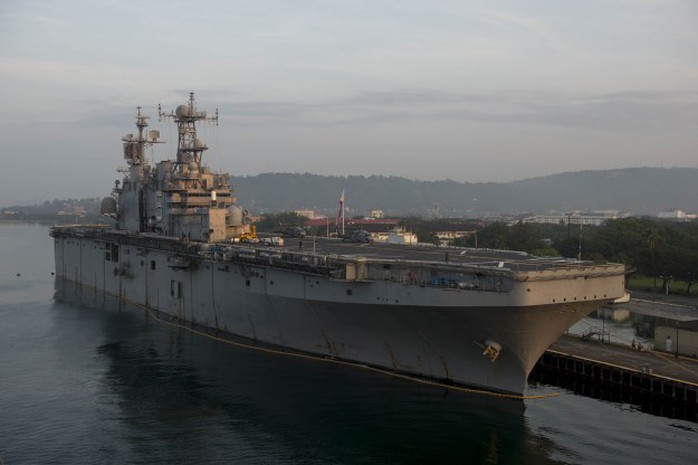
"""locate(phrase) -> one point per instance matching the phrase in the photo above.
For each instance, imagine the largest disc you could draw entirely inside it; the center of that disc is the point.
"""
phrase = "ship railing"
(482, 286)
(491, 279)
(334, 266)
(426, 278)
(278, 258)
(587, 271)
(425, 274)
(545, 264)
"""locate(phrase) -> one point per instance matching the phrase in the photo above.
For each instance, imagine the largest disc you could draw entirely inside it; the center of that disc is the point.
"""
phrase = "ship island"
(181, 246)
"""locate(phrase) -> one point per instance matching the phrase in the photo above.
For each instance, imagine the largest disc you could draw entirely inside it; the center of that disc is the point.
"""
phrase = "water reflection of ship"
(186, 398)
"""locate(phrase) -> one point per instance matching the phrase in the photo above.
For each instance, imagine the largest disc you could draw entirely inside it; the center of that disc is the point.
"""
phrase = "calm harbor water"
(85, 380)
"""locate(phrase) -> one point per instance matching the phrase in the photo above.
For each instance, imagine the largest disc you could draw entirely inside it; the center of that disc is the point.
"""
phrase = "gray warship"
(471, 317)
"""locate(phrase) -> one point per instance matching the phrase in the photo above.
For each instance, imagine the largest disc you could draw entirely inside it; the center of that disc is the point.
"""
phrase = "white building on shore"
(596, 218)
(678, 215)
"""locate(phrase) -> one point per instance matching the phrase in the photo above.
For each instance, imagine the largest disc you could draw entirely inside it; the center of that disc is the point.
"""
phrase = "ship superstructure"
(467, 316)
(175, 198)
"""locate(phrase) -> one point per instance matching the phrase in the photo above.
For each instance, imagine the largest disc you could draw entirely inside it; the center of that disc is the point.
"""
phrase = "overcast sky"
(427, 89)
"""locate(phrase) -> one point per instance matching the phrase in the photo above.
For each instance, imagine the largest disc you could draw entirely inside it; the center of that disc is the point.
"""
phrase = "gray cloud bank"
(620, 111)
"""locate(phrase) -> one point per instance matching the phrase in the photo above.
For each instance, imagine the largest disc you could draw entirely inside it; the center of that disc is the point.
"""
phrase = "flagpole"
(341, 211)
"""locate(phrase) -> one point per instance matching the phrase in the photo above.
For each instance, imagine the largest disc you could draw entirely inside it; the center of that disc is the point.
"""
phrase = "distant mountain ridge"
(636, 190)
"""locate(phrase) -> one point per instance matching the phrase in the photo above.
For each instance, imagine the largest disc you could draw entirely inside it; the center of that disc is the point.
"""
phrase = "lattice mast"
(189, 147)
(134, 147)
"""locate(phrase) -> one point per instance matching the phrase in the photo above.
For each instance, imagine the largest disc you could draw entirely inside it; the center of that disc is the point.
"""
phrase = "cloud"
(606, 112)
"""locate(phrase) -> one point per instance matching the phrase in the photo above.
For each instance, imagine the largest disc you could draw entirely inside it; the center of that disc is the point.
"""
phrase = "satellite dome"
(182, 110)
(108, 206)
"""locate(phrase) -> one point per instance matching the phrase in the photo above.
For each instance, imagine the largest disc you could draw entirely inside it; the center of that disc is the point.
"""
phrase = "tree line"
(662, 250)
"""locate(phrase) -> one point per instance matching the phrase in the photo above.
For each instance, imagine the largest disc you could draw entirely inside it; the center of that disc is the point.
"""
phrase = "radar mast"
(134, 146)
(189, 147)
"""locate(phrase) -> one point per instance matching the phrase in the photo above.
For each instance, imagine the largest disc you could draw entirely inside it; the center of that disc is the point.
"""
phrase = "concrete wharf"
(622, 373)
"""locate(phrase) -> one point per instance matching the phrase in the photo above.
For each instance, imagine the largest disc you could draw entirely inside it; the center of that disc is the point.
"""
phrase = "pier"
(659, 381)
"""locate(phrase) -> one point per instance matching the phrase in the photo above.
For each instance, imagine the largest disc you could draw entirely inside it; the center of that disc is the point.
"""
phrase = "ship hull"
(434, 333)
